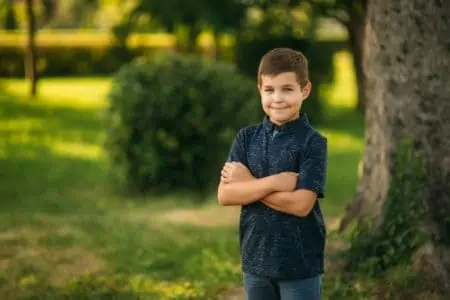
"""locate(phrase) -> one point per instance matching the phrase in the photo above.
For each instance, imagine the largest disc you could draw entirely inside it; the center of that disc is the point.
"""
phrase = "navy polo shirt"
(275, 244)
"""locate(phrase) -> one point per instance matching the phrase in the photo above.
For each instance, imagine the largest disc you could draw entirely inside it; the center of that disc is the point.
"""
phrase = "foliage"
(172, 119)
(94, 53)
(7, 13)
(399, 282)
(340, 10)
(81, 53)
(59, 60)
(221, 16)
(58, 14)
(186, 23)
(377, 247)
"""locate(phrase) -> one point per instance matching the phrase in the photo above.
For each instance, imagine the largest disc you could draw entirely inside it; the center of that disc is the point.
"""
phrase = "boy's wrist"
(274, 182)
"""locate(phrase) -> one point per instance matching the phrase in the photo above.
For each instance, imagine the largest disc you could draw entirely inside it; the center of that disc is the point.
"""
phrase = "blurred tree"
(69, 13)
(408, 62)
(30, 57)
(220, 16)
(190, 18)
(351, 14)
(50, 8)
(10, 22)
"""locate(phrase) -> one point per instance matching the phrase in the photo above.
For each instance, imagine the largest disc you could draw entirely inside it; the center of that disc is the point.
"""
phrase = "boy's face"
(282, 96)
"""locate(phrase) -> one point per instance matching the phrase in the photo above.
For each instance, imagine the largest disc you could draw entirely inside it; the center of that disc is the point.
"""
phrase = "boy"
(276, 171)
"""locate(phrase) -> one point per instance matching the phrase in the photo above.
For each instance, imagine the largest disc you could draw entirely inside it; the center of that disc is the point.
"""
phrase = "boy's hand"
(234, 172)
(286, 181)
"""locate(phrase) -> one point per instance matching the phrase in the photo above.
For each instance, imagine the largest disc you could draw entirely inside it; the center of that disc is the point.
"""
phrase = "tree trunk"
(355, 27)
(30, 56)
(407, 64)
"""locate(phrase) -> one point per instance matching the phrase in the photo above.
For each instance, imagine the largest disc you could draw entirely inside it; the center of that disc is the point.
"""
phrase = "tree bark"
(30, 55)
(407, 65)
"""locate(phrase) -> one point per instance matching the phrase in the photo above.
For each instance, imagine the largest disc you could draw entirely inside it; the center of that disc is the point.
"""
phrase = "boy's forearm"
(280, 201)
(298, 203)
(245, 192)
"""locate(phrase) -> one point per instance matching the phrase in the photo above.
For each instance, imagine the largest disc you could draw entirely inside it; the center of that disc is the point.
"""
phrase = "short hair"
(280, 60)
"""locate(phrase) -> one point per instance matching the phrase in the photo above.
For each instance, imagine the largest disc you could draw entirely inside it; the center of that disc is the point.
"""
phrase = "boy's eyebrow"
(291, 85)
(284, 85)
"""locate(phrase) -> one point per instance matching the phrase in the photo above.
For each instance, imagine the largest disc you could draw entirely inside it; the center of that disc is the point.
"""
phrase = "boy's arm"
(298, 203)
(245, 192)
(239, 187)
(311, 184)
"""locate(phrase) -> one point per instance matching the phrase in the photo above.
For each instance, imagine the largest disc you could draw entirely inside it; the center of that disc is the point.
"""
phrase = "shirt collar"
(297, 124)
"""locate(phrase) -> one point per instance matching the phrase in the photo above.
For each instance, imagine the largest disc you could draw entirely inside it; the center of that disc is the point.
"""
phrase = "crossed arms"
(239, 187)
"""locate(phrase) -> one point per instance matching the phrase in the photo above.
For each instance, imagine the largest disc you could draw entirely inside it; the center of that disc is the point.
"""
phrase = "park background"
(77, 222)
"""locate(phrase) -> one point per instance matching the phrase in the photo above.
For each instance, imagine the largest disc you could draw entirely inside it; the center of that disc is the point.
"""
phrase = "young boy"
(276, 170)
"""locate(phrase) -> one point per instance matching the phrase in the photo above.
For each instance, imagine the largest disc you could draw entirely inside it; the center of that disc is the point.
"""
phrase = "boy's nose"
(277, 97)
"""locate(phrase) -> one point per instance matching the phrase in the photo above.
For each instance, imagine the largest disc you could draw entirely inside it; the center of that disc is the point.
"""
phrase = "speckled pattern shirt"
(275, 244)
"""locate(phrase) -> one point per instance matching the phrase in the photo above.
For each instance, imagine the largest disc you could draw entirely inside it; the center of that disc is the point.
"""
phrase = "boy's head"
(283, 84)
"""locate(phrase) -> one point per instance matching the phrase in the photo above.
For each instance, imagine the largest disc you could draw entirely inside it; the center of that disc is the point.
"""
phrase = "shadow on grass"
(341, 182)
(82, 124)
(49, 155)
(47, 182)
(346, 120)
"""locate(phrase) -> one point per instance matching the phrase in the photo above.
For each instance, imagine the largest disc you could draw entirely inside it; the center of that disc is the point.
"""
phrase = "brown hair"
(280, 60)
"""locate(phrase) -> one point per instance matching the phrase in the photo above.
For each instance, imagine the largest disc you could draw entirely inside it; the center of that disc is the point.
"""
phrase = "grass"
(65, 232)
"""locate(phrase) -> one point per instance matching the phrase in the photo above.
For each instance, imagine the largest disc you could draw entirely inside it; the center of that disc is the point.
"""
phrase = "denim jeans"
(261, 288)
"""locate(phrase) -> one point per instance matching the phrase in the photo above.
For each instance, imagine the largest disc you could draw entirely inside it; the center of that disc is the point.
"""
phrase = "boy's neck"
(284, 123)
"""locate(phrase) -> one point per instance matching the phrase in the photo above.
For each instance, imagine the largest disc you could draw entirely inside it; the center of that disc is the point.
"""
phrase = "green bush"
(172, 119)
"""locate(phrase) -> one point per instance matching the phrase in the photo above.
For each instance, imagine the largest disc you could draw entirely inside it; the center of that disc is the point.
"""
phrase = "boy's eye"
(287, 89)
(268, 90)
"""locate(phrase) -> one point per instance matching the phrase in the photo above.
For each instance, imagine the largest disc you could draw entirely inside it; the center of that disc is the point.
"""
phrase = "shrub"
(172, 119)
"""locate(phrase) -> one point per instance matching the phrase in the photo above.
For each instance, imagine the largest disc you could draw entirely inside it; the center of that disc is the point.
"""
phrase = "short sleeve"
(237, 149)
(312, 171)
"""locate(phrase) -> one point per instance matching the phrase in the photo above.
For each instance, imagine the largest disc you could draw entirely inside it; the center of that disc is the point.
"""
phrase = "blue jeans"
(261, 288)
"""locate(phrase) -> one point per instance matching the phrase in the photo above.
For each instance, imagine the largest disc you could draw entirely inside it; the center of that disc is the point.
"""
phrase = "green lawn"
(65, 232)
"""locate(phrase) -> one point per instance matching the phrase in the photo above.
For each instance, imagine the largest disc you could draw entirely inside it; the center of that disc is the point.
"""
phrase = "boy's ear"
(307, 90)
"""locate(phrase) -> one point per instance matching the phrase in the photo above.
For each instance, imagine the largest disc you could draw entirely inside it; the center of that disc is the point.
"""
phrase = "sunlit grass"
(342, 142)
(53, 176)
(70, 92)
(22, 124)
(77, 149)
